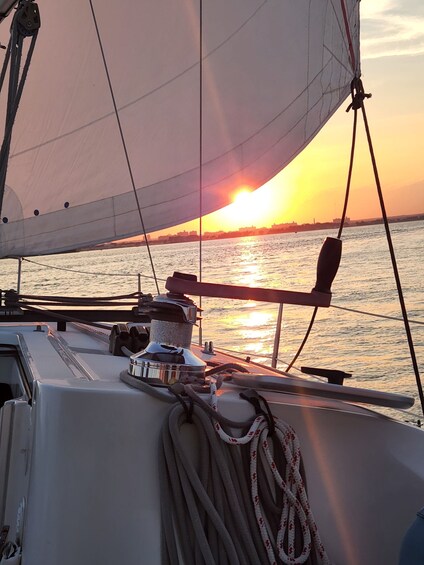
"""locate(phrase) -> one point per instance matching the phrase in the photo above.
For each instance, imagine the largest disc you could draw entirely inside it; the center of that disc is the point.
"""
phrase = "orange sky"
(312, 186)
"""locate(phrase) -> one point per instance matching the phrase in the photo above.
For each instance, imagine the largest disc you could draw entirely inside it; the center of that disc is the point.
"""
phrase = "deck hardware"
(208, 348)
(167, 359)
(333, 376)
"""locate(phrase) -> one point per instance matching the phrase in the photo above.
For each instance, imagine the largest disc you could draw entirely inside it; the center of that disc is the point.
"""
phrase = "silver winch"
(168, 359)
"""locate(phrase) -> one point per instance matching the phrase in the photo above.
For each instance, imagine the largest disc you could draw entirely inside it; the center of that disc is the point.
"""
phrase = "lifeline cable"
(394, 318)
(87, 272)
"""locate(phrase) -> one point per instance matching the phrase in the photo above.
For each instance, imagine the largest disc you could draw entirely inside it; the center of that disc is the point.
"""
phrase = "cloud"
(392, 28)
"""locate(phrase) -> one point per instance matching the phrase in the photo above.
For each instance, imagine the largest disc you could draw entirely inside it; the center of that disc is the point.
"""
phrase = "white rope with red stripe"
(295, 502)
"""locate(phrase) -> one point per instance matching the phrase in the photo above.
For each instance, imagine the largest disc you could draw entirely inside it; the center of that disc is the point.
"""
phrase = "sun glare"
(243, 200)
(249, 208)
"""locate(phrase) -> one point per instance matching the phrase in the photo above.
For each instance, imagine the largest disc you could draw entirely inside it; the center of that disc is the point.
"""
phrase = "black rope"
(226, 367)
(13, 59)
(351, 161)
(98, 304)
(255, 399)
(5, 66)
(188, 409)
(67, 318)
(73, 299)
(362, 96)
(305, 339)
(124, 145)
(13, 299)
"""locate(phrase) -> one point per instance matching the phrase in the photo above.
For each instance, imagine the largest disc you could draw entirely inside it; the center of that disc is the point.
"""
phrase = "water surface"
(374, 350)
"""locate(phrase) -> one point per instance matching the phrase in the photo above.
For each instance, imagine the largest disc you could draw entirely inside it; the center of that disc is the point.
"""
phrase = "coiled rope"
(243, 500)
(294, 502)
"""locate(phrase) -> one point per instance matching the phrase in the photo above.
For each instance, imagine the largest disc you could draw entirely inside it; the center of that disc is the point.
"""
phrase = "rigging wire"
(352, 154)
(200, 159)
(358, 97)
(362, 95)
(124, 145)
(342, 222)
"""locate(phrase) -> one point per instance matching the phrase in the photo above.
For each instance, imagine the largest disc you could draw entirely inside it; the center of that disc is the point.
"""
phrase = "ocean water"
(374, 350)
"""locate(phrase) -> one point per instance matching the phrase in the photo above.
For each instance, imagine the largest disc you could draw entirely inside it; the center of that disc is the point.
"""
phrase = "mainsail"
(242, 94)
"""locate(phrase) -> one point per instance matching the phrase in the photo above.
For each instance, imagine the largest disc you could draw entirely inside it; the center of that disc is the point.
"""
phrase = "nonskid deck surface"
(94, 453)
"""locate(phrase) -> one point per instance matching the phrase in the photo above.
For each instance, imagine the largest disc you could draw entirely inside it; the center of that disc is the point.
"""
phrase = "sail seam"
(186, 195)
(142, 97)
(35, 147)
(345, 67)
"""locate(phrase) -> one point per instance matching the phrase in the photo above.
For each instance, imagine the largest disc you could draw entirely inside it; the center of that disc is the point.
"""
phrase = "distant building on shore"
(338, 220)
(190, 236)
(284, 225)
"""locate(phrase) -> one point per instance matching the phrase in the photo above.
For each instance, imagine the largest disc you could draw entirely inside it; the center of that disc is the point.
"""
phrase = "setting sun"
(243, 200)
(249, 208)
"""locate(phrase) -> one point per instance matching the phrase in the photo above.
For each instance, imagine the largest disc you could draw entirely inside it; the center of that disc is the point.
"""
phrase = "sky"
(312, 187)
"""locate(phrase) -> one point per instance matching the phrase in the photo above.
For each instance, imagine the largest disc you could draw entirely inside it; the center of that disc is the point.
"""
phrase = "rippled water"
(373, 349)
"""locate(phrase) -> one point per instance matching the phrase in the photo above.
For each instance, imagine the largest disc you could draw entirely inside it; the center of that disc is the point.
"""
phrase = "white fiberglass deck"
(89, 469)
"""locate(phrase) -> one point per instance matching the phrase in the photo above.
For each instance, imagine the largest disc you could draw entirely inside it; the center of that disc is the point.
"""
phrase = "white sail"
(267, 83)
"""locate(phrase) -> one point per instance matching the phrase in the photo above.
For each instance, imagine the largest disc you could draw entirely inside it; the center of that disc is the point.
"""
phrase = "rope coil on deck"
(295, 502)
(233, 500)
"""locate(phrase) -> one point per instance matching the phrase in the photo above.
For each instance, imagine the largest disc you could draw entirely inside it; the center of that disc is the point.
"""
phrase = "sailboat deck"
(87, 423)
(80, 355)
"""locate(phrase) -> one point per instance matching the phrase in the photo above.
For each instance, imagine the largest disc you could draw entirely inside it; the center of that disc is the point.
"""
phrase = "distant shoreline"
(253, 231)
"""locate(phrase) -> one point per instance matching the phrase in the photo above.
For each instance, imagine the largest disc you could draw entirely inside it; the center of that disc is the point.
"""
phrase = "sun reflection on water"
(255, 319)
